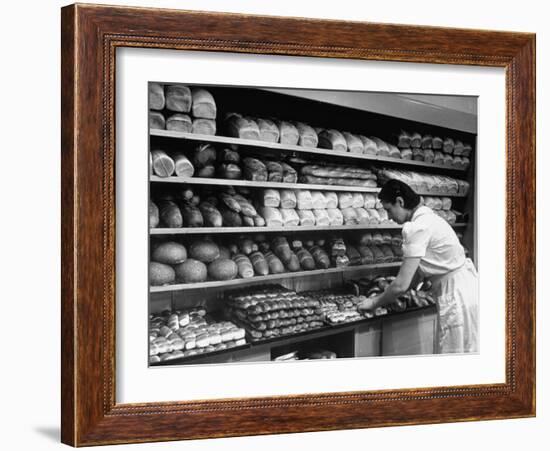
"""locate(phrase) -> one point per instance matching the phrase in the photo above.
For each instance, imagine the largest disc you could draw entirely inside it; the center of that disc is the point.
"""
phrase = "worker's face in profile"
(396, 211)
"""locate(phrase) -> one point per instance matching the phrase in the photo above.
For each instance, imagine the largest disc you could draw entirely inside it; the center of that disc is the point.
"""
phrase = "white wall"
(30, 223)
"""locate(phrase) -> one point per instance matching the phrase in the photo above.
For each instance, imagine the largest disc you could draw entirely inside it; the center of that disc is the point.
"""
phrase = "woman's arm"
(395, 289)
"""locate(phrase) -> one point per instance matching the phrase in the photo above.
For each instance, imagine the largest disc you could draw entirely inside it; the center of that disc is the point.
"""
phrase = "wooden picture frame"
(90, 37)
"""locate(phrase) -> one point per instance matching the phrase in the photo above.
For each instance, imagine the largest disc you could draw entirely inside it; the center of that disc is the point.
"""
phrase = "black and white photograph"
(293, 224)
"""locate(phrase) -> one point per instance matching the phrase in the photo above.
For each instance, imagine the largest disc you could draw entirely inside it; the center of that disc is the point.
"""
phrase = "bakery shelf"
(297, 149)
(252, 184)
(268, 278)
(276, 185)
(218, 230)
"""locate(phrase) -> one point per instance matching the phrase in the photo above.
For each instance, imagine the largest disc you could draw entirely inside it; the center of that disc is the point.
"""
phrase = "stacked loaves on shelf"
(426, 183)
(178, 334)
(182, 108)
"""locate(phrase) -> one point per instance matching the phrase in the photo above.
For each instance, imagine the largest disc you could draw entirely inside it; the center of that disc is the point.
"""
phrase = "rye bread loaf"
(156, 96)
(191, 271)
(191, 215)
(204, 155)
(223, 269)
(204, 105)
(211, 215)
(170, 214)
(169, 253)
(178, 98)
(204, 250)
(161, 274)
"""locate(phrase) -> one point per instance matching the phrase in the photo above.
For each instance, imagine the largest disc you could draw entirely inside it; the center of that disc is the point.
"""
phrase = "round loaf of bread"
(191, 271)
(205, 251)
(170, 253)
(222, 269)
(161, 274)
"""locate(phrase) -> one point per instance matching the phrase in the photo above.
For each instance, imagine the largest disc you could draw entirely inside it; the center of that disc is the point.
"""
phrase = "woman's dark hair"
(393, 189)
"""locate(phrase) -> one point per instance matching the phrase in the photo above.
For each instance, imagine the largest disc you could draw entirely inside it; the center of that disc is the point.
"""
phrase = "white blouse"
(431, 238)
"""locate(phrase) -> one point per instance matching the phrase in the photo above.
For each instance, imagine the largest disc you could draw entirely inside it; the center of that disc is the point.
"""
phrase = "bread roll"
(290, 217)
(332, 139)
(180, 123)
(271, 198)
(448, 146)
(204, 105)
(288, 199)
(269, 131)
(383, 149)
(307, 135)
(248, 221)
(206, 172)
(331, 199)
(178, 98)
(242, 127)
(170, 215)
(258, 221)
(354, 143)
(204, 126)
(416, 140)
(153, 215)
(321, 217)
(204, 250)
(304, 200)
(156, 96)
(272, 216)
(369, 146)
(307, 218)
(363, 216)
(406, 154)
(437, 143)
(357, 200)
(318, 200)
(345, 200)
(182, 166)
(156, 120)
(335, 217)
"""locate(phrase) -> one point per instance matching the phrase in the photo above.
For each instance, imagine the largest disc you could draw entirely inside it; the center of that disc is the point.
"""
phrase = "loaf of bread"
(307, 218)
(229, 156)
(446, 203)
(369, 200)
(191, 215)
(318, 200)
(204, 250)
(354, 143)
(178, 98)
(437, 143)
(416, 140)
(353, 255)
(244, 266)
(223, 269)
(388, 253)
(321, 217)
(369, 146)
(466, 150)
(363, 216)
(274, 171)
(382, 146)
(458, 148)
(447, 159)
(331, 199)
(230, 218)
(418, 154)
(281, 248)
(229, 171)
(204, 155)
(288, 133)
(247, 209)
(242, 127)
(169, 253)
(269, 131)
(357, 200)
(271, 198)
(374, 216)
(465, 162)
(230, 202)
(322, 260)
(156, 96)
(274, 263)
(438, 157)
(204, 126)
(406, 154)
(179, 122)
(426, 142)
(211, 215)
(304, 200)
(258, 221)
(289, 173)
(403, 140)
(377, 238)
(335, 217)
(307, 135)
(306, 260)
(290, 217)
(350, 216)
(261, 268)
(383, 215)
(191, 271)
(156, 120)
(310, 179)
(457, 162)
(429, 155)
(153, 215)
(206, 172)
(332, 139)
(288, 199)
(161, 274)
(448, 145)
(182, 166)
(345, 200)
(338, 171)
(170, 214)
(272, 216)
(204, 105)
(254, 169)
(367, 256)
(379, 256)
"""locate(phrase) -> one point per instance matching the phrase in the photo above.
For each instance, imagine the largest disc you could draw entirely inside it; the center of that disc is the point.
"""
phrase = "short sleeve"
(415, 240)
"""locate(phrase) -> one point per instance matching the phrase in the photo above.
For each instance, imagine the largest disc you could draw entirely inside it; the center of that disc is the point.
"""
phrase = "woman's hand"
(369, 304)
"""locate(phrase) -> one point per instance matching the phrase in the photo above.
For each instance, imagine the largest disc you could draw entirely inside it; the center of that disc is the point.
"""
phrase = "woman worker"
(431, 247)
